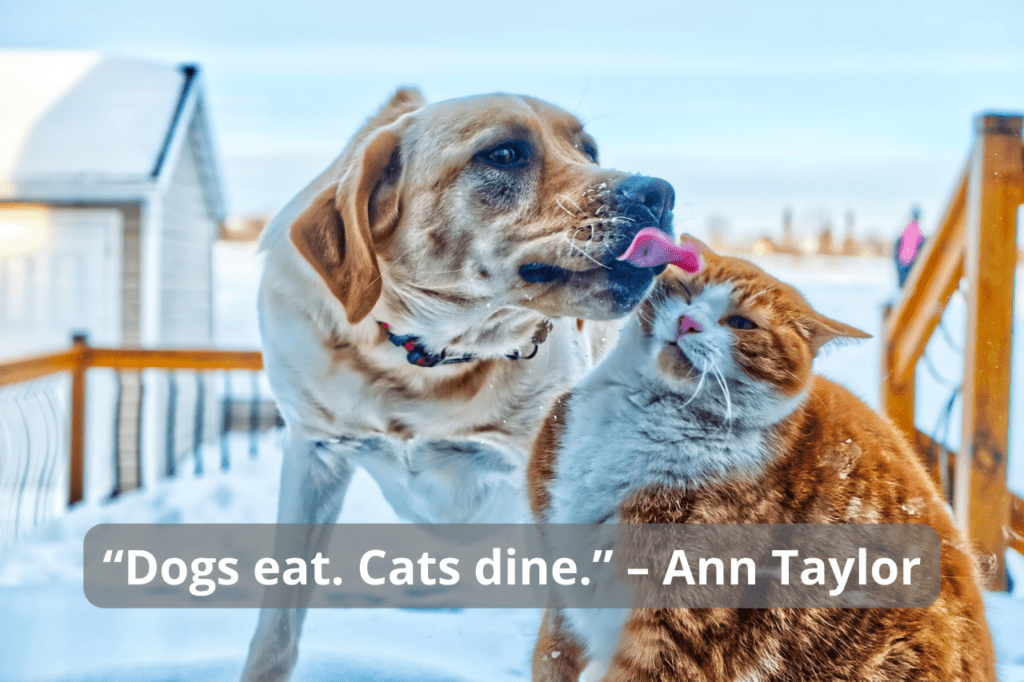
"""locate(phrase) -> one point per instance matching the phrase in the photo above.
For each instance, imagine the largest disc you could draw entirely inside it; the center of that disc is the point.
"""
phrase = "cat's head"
(733, 340)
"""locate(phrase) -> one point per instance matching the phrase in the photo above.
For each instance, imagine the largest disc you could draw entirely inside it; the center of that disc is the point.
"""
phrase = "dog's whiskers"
(559, 198)
(573, 245)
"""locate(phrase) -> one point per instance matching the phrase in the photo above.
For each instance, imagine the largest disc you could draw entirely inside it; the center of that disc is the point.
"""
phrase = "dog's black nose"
(646, 200)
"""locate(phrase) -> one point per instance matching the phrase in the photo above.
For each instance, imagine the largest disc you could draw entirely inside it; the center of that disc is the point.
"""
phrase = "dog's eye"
(513, 154)
(590, 150)
(739, 322)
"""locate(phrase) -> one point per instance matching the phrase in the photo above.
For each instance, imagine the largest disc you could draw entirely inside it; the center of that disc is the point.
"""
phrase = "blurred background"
(143, 146)
(749, 109)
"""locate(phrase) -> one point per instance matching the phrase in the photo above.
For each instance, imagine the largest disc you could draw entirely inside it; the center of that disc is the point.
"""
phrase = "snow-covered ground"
(49, 632)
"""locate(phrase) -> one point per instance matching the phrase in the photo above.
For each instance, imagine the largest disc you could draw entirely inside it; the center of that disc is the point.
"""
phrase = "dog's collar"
(418, 354)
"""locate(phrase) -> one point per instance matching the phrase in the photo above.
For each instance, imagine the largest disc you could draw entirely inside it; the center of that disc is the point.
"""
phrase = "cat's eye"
(740, 322)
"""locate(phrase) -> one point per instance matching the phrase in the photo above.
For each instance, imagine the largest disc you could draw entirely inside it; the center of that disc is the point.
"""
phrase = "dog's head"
(494, 201)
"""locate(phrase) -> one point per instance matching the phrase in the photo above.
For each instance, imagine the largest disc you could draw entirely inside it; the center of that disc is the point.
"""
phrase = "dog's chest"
(456, 455)
(429, 480)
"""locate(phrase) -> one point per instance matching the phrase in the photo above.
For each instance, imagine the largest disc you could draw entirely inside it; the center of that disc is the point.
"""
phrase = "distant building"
(850, 245)
(826, 245)
(765, 245)
(789, 244)
(876, 247)
(110, 201)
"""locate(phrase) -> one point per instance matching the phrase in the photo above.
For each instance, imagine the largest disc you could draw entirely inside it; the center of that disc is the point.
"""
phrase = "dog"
(424, 301)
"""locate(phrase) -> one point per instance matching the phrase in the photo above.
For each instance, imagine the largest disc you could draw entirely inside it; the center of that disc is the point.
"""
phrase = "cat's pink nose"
(687, 325)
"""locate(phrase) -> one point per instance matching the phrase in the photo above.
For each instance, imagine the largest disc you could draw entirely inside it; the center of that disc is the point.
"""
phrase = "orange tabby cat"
(707, 412)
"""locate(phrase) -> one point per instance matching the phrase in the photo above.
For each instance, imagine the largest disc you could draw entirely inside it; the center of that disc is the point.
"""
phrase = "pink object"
(687, 325)
(910, 240)
(653, 247)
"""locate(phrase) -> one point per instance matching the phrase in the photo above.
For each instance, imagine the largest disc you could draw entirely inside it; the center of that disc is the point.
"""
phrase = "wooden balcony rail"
(82, 357)
(976, 241)
(935, 454)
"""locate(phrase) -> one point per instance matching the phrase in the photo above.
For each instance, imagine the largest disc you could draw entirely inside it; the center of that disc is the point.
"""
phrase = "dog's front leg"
(313, 484)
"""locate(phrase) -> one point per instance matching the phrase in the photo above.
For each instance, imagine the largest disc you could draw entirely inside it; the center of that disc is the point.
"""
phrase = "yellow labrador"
(423, 303)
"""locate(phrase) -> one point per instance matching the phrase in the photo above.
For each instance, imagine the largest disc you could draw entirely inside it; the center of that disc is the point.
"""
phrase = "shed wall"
(186, 305)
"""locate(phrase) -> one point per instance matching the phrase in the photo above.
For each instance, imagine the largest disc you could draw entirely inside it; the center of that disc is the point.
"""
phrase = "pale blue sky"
(746, 108)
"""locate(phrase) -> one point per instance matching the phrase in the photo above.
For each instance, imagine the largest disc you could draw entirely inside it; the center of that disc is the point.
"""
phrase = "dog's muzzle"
(646, 202)
(641, 201)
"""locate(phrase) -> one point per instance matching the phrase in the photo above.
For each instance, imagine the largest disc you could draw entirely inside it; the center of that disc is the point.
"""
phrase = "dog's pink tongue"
(653, 247)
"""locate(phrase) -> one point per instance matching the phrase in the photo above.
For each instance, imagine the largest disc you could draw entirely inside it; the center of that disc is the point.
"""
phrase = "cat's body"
(650, 437)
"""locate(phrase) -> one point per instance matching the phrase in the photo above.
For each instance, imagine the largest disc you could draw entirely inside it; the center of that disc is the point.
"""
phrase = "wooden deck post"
(897, 398)
(76, 464)
(981, 501)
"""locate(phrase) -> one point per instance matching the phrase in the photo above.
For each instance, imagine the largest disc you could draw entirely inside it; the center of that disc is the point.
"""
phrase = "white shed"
(110, 202)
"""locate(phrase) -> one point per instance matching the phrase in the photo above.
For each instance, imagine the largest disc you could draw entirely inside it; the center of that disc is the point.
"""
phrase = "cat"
(707, 411)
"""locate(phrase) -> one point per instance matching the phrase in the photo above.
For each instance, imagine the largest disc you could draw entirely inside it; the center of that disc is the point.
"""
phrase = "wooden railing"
(976, 241)
(82, 357)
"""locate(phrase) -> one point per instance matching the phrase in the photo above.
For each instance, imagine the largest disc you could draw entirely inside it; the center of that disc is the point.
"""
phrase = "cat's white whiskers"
(751, 299)
(641, 315)
(725, 390)
(700, 384)
(803, 384)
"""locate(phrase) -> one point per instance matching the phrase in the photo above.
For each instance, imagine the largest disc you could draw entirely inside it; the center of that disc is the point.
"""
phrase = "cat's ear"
(687, 238)
(822, 329)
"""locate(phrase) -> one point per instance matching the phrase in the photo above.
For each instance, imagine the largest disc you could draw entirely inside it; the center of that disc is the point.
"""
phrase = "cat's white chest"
(621, 438)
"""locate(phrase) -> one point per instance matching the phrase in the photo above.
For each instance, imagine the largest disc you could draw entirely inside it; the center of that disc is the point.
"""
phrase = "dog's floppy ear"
(402, 102)
(334, 233)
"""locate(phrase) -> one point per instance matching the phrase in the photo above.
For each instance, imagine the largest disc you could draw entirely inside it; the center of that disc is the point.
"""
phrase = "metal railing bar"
(200, 409)
(254, 416)
(47, 457)
(24, 472)
(172, 408)
(56, 458)
(225, 425)
(6, 439)
(118, 394)
(140, 411)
